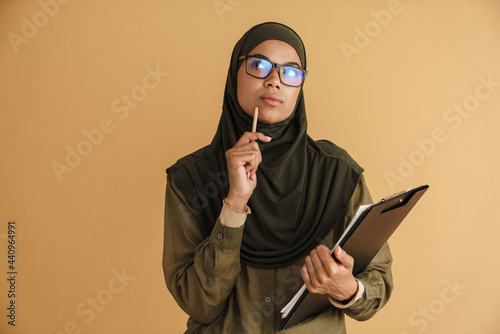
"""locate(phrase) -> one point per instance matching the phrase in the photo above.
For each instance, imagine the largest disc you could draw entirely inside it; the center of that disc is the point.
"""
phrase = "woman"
(244, 215)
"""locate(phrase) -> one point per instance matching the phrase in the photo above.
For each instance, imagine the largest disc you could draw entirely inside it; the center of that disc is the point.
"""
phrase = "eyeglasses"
(261, 68)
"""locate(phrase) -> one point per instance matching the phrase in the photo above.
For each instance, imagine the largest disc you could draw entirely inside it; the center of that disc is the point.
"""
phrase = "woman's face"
(275, 100)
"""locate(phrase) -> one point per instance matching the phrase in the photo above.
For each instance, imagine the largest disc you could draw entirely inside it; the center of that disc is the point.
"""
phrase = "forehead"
(277, 51)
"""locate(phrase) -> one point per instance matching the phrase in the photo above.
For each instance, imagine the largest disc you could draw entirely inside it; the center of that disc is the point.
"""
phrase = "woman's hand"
(323, 275)
(242, 162)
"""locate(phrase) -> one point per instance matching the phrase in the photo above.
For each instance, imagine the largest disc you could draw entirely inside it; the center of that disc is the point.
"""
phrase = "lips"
(271, 99)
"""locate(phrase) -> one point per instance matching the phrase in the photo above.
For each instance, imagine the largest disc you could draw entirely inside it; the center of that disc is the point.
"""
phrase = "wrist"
(359, 294)
(236, 202)
(351, 291)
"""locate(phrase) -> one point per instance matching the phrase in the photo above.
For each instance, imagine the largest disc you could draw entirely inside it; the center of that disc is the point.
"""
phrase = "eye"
(257, 65)
(292, 72)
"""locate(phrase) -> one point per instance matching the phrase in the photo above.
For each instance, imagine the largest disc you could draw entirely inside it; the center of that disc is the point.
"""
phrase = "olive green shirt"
(222, 295)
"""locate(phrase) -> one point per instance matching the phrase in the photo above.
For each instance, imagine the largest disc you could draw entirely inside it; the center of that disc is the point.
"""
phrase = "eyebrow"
(290, 63)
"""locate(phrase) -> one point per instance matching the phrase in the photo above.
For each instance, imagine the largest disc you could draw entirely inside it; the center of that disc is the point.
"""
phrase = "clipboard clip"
(395, 195)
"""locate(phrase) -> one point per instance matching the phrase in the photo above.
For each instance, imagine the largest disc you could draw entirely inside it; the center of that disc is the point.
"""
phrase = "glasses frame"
(278, 66)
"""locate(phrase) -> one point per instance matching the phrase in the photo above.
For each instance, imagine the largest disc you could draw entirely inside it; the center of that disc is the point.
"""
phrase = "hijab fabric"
(303, 186)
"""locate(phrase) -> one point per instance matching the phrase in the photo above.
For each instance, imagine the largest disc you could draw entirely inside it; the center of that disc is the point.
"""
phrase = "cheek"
(240, 88)
(244, 89)
(292, 99)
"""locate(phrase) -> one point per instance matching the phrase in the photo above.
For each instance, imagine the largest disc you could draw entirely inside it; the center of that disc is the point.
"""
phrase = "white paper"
(288, 307)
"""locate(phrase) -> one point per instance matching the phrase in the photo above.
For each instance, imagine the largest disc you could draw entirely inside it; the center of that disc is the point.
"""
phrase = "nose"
(273, 80)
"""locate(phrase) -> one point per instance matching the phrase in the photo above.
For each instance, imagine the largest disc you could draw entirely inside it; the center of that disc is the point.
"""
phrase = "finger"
(242, 157)
(253, 161)
(251, 145)
(253, 170)
(345, 259)
(325, 256)
(305, 276)
(310, 267)
(248, 148)
(316, 261)
(309, 275)
(319, 270)
(246, 143)
(330, 267)
(248, 161)
(251, 136)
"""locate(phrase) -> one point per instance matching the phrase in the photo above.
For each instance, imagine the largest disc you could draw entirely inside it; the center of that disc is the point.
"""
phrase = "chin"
(271, 121)
(266, 116)
(274, 116)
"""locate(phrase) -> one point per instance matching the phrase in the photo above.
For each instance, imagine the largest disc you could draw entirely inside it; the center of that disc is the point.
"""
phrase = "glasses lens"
(258, 67)
(292, 76)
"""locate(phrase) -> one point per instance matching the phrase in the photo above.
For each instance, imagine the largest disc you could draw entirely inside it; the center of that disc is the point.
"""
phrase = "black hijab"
(303, 186)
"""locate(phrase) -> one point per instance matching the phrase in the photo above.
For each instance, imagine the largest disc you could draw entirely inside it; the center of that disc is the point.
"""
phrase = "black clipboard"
(364, 237)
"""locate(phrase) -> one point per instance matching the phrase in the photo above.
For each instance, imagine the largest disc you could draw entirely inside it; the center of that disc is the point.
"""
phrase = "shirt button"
(220, 236)
(268, 299)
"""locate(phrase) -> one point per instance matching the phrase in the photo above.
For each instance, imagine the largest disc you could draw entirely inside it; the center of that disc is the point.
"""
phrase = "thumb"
(343, 257)
(338, 253)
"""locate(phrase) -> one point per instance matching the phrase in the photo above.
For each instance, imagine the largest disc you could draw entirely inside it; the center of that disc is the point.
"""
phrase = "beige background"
(392, 100)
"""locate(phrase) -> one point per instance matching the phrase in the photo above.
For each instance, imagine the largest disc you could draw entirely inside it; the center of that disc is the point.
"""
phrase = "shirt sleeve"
(359, 293)
(377, 277)
(231, 217)
(200, 270)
